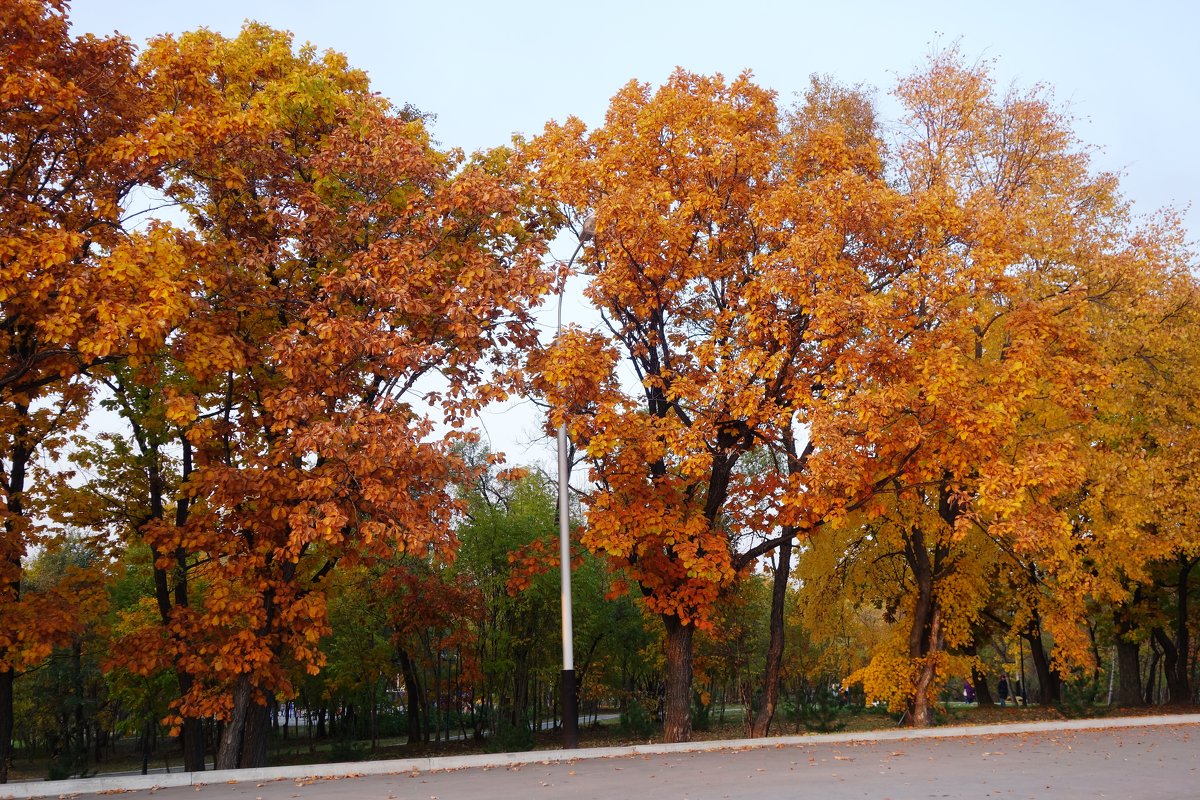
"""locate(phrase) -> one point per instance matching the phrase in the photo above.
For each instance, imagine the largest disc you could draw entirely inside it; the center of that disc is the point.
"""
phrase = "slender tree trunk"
(1151, 677)
(413, 696)
(6, 721)
(677, 716)
(920, 712)
(14, 546)
(983, 693)
(191, 732)
(1177, 649)
(1174, 667)
(924, 634)
(761, 725)
(1049, 681)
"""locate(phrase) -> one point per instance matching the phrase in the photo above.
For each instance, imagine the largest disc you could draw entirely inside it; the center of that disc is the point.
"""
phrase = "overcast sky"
(1129, 71)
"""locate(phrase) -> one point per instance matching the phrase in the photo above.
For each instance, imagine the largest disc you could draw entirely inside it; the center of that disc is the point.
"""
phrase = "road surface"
(1162, 763)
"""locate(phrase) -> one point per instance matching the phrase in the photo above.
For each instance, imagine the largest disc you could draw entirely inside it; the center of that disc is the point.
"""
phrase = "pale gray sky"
(1129, 71)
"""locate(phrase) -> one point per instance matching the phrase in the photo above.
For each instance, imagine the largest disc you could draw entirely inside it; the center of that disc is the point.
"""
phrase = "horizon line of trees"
(935, 377)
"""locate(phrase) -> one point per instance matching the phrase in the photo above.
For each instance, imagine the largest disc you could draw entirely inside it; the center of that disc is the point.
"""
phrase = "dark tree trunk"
(230, 751)
(1176, 649)
(1151, 685)
(10, 592)
(1049, 681)
(6, 721)
(920, 712)
(924, 633)
(413, 696)
(191, 732)
(147, 733)
(761, 724)
(983, 692)
(1129, 657)
(256, 735)
(1129, 673)
(1174, 667)
(677, 715)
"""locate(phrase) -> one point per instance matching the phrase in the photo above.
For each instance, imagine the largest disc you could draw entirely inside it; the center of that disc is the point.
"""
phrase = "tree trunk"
(14, 545)
(1174, 667)
(6, 721)
(920, 712)
(1049, 681)
(924, 634)
(1151, 684)
(761, 725)
(256, 735)
(677, 715)
(1128, 662)
(230, 751)
(191, 732)
(1176, 651)
(983, 692)
(412, 696)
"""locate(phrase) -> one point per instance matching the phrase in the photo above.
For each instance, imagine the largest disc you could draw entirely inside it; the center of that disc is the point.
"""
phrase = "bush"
(701, 713)
(510, 738)
(819, 710)
(636, 720)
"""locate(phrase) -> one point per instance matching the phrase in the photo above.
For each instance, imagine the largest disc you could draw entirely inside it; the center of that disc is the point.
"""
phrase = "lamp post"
(570, 704)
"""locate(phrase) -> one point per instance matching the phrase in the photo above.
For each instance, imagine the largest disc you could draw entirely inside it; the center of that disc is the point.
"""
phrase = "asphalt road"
(1130, 763)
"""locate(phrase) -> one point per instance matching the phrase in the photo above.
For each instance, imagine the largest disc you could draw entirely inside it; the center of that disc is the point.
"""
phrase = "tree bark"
(1128, 662)
(413, 696)
(924, 633)
(1176, 648)
(1174, 672)
(761, 725)
(920, 712)
(677, 715)
(6, 721)
(1049, 681)
(1129, 673)
(14, 540)
(256, 734)
(983, 691)
(230, 751)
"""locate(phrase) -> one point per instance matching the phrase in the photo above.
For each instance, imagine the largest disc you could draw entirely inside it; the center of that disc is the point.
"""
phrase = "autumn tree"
(729, 262)
(77, 287)
(1133, 545)
(1013, 250)
(345, 261)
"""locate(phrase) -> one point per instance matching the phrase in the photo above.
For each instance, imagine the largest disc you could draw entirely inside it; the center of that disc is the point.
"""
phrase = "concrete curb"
(125, 783)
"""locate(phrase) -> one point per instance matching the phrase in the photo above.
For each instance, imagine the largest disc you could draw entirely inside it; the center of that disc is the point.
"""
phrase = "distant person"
(968, 692)
(1002, 690)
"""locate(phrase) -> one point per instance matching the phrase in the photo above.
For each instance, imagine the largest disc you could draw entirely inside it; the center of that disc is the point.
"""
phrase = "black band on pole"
(570, 717)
